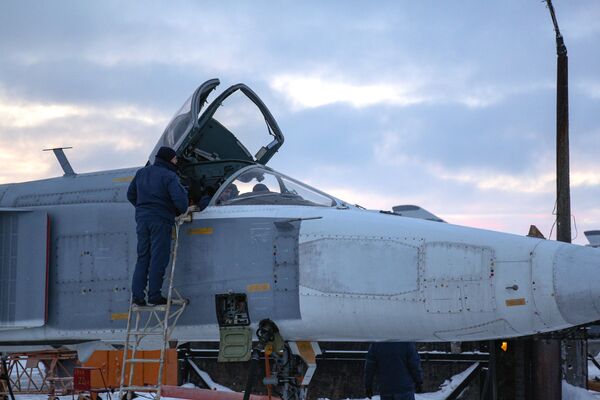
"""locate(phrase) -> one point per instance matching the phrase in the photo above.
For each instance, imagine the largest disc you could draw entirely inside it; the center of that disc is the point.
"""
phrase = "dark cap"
(166, 154)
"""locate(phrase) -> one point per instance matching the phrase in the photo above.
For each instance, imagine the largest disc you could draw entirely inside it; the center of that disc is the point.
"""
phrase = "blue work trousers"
(153, 251)
(399, 396)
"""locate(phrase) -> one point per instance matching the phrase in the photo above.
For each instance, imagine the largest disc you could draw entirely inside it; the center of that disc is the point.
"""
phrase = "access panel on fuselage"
(91, 277)
(256, 256)
(23, 268)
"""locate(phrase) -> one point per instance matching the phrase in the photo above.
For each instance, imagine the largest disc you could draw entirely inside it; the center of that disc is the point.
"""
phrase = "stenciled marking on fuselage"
(123, 179)
(258, 287)
(516, 302)
(119, 316)
(200, 231)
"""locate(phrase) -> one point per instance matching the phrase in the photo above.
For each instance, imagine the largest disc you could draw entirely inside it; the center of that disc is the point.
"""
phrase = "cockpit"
(223, 147)
(257, 185)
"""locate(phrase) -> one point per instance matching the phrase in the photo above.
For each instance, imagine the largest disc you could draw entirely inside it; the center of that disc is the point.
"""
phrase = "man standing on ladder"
(158, 198)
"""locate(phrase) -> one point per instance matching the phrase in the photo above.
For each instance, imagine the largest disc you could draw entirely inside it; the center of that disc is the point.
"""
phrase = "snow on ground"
(576, 393)
(569, 392)
(445, 388)
(448, 386)
(210, 382)
(593, 371)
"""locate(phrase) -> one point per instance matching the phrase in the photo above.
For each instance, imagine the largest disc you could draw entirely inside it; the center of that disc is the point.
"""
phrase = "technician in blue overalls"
(158, 198)
(398, 369)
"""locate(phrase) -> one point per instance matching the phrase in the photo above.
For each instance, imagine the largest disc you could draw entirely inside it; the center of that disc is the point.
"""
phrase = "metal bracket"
(308, 351)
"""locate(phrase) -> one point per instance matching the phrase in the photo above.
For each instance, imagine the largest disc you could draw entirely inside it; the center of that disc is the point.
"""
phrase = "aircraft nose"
(577, 283)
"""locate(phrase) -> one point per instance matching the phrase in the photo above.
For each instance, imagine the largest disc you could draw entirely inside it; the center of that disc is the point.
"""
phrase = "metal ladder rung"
(142, 360)
(142, 333)
(161, 307)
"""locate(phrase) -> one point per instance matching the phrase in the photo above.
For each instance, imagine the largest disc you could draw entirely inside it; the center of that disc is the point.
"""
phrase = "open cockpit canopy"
(185, 118)
(212, 141)
(236, 125)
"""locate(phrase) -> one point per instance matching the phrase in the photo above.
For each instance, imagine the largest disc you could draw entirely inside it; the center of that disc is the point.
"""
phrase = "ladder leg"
(166, 332)
(133, 352)
(123, 364)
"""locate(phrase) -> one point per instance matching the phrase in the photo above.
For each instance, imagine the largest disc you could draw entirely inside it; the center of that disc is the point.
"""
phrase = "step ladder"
(151, 324)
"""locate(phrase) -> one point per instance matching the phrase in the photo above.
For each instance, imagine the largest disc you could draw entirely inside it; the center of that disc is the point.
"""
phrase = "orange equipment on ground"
(109, 364)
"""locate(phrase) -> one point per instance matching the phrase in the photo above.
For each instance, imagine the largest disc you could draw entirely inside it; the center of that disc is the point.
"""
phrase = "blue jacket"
(397, 366)
(156, 193)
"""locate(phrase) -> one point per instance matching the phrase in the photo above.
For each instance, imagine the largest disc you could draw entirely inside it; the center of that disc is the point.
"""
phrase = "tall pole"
(574, 350)
(563, 188)
(547, 352)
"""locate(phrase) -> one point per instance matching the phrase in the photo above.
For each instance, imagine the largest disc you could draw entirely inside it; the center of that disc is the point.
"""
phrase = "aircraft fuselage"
(321, 273)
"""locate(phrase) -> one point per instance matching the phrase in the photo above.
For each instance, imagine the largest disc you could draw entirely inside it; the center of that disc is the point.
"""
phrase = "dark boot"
(158, 301)
(139, 302)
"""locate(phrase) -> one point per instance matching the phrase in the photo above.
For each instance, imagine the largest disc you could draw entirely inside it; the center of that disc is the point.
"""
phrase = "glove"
(181, 218)
(369, 392)
(187, 215)
(192, 209)
(419, 388)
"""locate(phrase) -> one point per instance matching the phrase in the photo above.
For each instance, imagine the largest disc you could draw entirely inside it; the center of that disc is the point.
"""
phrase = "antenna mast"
(62, 160)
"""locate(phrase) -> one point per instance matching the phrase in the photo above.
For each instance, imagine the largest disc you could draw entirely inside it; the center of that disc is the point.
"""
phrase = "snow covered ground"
(447, 387)
(568, 392)
(593, 371)
(576, 393)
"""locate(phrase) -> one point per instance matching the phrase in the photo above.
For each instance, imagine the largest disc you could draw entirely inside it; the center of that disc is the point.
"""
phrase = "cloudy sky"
(446, 104)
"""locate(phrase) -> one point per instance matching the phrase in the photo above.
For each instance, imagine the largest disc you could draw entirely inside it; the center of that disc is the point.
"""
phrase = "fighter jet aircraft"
(320, 268)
